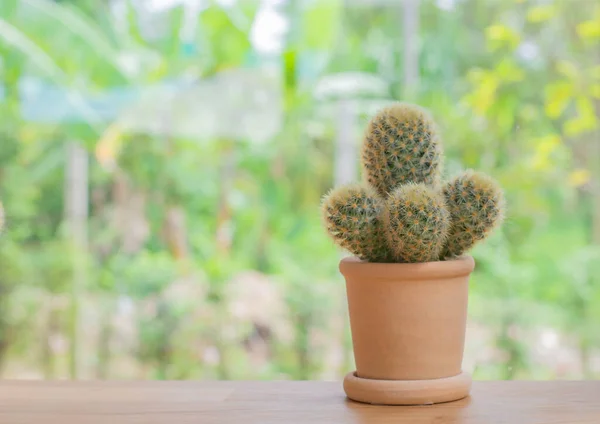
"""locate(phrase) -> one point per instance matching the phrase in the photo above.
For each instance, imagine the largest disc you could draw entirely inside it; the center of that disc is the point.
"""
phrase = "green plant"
(402, 212)
(352, 215)
(476, 205)
(417, 223)
(401, 146)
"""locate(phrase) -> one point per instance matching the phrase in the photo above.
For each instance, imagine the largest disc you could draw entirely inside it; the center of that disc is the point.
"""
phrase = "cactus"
(402, 212)
(476, 205)
(401, 146)
(417, 223)
(352, 217)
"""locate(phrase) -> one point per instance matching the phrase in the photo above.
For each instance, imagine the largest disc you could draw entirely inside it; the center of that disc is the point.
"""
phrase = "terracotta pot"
(408, 321)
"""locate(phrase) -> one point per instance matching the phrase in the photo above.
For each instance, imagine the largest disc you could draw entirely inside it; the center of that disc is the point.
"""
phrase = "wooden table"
(286, 402)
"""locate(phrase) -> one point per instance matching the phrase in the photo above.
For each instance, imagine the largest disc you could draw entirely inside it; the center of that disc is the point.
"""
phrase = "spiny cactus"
(352, 217)
(402, 212)
(416, 222)
(401, 145)
(476, 205)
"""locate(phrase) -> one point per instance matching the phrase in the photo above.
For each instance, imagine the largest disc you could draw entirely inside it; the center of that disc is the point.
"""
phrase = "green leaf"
(172, 42)
(8, 7)
(499, 36)
(321, 24)
(290, 71)
(544, 147)
(233, 42)
(485, 95)
(507, 70)
(66, 16)
(133, 28)
(20, 42)
(589, 30)
(558, 95)
(586, 118)
(542, 13)
(585, 108)
(579, 177)
(567, 69)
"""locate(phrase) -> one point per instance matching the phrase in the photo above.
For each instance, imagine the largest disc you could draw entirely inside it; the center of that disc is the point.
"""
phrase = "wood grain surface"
(517, 402)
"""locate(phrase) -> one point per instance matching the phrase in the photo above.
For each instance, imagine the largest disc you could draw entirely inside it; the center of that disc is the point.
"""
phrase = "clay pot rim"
(452, 268)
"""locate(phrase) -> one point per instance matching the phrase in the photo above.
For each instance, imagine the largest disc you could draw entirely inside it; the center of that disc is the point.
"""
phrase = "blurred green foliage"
(202, 253)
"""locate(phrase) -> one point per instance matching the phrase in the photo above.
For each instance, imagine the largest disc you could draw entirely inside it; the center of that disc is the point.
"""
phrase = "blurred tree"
(177, 219)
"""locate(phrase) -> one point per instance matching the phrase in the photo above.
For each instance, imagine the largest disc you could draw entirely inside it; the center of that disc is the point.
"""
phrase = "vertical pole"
(76, 213)
(346, 155)
(411, 47)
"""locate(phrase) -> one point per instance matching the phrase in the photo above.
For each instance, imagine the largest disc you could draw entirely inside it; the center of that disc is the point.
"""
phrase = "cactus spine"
(401, 146)
(476, 205)
(417, 223)
(352, 216)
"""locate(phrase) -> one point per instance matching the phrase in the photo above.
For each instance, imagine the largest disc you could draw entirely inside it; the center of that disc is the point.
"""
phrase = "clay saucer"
(407, 392)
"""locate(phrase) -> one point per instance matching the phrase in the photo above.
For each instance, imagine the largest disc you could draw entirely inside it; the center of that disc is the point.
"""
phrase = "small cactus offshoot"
(401, 146)
(476, 205)
(417, 223)
(352, 217)
(402, 212)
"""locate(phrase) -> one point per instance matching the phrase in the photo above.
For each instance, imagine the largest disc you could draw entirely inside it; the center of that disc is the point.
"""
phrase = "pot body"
(408, 321)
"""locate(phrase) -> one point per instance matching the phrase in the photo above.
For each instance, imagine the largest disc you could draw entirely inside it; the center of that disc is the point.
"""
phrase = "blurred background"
(162, 164)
